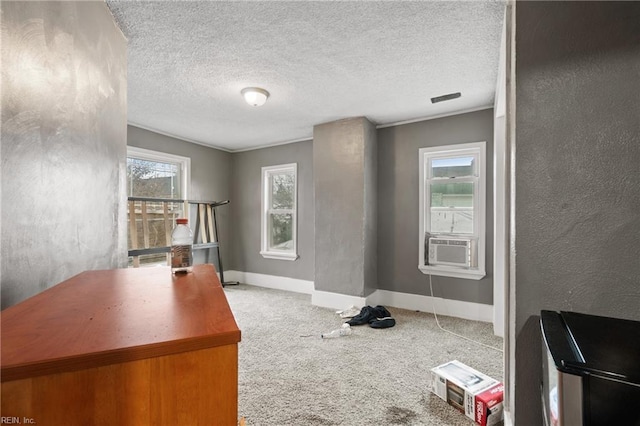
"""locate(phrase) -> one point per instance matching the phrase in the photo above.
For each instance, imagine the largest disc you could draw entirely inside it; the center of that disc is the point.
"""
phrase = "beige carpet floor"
(288, 375)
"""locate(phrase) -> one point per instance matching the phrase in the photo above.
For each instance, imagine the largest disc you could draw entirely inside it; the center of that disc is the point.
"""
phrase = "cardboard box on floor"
(476, 395)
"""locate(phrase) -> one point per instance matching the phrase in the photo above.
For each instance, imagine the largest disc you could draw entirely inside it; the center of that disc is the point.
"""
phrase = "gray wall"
(370, 208)
(210, 181)
(396, 214)
(398, 208)
(63, 144)
(70, 160)
(345, 197)
(246, 181)
(577, 172)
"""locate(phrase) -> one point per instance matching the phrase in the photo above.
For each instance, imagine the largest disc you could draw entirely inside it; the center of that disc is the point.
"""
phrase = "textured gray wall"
(577, 171)
(393, 190)
(63, 144)
(370, 208)
(398, 208)
(246, 194)
(344, 199)
(210, 181)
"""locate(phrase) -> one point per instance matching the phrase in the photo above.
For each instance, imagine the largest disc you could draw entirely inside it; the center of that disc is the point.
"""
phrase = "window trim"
(266, 193)
(185, 171)
(185, 164)
(478, 150)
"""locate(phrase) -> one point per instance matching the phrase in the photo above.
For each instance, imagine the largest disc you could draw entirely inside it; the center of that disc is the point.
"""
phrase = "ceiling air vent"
(445, 97)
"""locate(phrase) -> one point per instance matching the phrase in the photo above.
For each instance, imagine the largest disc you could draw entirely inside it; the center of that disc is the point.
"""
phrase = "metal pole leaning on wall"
(215, 226)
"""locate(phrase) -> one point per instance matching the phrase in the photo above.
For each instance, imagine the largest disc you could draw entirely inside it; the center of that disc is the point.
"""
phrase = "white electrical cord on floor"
(433, 305)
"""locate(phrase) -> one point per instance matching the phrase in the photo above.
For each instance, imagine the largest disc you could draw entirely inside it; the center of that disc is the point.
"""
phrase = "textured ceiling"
(321, 61)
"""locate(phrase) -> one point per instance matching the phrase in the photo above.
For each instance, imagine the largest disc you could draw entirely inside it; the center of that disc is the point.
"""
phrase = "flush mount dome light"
(255, 96)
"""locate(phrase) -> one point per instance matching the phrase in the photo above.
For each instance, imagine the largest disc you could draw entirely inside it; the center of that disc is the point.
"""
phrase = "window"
(279, 188)
(452, 210)
(156, 174)
(152, 174)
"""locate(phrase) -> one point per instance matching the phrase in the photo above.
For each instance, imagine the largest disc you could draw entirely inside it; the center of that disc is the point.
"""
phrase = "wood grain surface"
(123, 347)
(103, 317)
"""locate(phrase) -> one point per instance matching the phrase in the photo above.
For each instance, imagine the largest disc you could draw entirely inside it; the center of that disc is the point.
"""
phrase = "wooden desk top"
(99, 318)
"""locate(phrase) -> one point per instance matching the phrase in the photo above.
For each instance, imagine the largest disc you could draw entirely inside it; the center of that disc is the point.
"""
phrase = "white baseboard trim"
(448, 307)
(271, 281)
(331, 300)
(507, 419)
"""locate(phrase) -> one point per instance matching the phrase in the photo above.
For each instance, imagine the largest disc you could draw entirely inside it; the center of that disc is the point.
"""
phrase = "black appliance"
(591, 370)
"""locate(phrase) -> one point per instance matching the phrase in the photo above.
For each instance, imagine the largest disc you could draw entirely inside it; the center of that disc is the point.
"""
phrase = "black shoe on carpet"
(376, 317)
(366, 314)
(385, 322)
(380, 312)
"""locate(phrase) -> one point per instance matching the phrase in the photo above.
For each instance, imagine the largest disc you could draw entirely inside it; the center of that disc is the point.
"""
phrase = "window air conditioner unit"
(450, 251)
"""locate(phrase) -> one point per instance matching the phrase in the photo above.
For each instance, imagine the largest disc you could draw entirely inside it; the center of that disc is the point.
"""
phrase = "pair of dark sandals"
(376, 317)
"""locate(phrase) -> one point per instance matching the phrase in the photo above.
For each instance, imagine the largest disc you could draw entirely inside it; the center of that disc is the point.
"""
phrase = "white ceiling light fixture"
(255, 96)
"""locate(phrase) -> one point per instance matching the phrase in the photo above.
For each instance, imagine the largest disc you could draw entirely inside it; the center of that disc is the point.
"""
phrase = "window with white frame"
(452, 210)
(155, 175)
(279, 212)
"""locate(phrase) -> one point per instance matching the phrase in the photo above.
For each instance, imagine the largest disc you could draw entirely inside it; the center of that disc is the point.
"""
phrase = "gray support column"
(63, 142)
(344, 174)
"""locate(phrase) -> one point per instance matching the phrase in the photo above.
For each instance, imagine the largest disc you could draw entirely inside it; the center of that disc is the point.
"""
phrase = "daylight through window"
(452, 210)
(156, 175)
(279, 192)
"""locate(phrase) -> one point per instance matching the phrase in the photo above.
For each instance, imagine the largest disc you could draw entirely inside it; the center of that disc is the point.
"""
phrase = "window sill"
(444, 271)
(278, 256)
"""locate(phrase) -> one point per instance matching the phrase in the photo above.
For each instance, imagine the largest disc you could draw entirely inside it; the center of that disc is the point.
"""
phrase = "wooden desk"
(123, 347)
